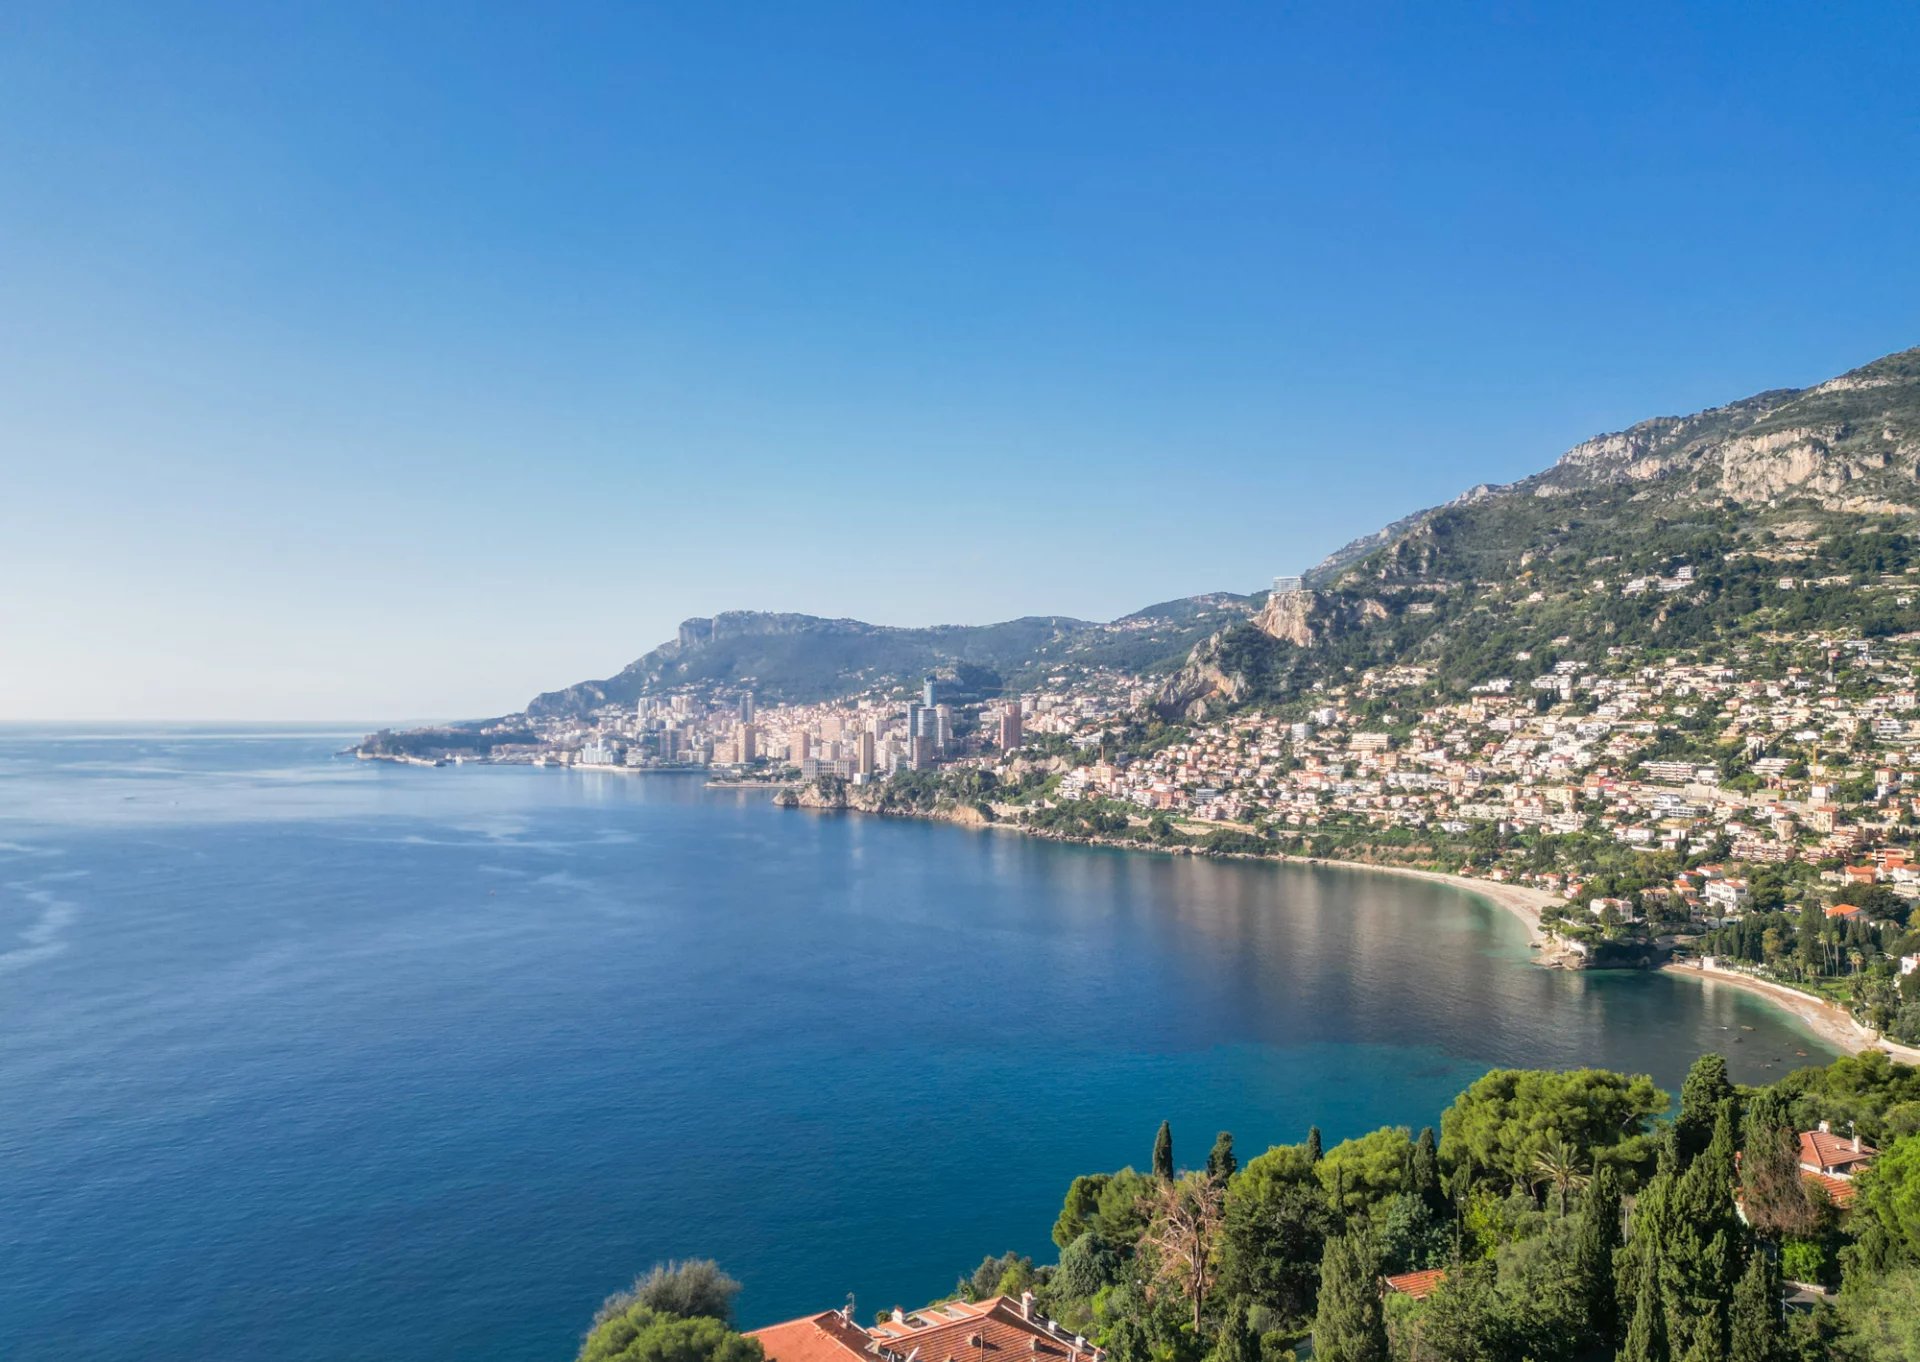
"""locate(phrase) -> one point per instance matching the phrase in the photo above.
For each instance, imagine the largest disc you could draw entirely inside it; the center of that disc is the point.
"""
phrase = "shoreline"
(1831, 1024)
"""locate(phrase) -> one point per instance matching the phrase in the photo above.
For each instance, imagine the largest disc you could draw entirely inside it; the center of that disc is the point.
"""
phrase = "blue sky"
(383, 361)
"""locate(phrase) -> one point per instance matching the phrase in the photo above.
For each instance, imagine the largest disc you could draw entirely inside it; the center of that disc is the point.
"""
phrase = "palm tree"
(1560, 1167)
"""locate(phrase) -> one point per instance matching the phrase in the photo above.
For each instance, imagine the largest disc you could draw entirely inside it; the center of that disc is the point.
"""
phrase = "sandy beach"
(1831, 1024)
(1523, 902)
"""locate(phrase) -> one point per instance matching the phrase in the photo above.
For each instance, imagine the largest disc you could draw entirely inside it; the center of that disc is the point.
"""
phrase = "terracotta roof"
(984, 1331)
(1419, 1285)
(1823, 1152)
(1839, 1191)
(829, 1337)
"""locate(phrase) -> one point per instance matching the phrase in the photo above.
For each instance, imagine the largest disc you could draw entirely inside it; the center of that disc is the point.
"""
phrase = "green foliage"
(1349, 1325)
(1706, 1087)
(1803, 1260)
(1221, 1163)
(1276, 1224)
(1599, 1242)
(1163, 1152)
(1008, 1275)
(636, 1333)
(1889, 1192)
(1408, 1236)
(1364, 1172)
(691, 1289)
(1087, 1266)
(1754, 1333)
(1881, 1321)
(1078, 1209)
(1510, 1117)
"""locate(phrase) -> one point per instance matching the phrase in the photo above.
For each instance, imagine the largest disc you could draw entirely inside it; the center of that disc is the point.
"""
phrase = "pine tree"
(1163, 1152)
(1350, 1325)
(1313, 1144)
(1221, 1163)
(1756, 1307)
(1706, 1087)
(1599, 1239)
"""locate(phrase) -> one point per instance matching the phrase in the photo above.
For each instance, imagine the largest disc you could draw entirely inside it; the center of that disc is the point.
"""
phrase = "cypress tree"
(1599, 1239)
(1238, 1342)
(1701, 1248)
(1163, 1152)
(1221, 1163)
(1313, 1144)
(1706, 1087)
(1647, 1335)
(1756, 1304)
(1425, 1169)
(1350, 1325)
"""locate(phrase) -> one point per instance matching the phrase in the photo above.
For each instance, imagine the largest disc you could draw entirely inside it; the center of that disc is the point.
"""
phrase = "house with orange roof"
(1830, 1161)
(1001, 1329)
(1415, 1285)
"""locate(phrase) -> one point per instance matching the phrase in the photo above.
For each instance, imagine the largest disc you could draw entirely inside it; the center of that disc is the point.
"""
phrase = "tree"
(1889, 1191)
(692, 1289)
(1363, 1172)
(1313, 1144)
(1593, 1258)
(1424, 1172)
(1350, 1325)
(1705, 1088)
(1701, 1252)
(1754, 1335)
(1008, 1275)
(1086, 1265)
(1772, 1189)
(1221, 1163)
(1561, 1168)
(1237, 1342)
(1163, 1152)
(1882, 1320)
(1465, 1320)
(1510, 1116)
(1275, 1231)
(1077, 1210)
(636, 1333)
(1183, 1230)
(1646, 1336)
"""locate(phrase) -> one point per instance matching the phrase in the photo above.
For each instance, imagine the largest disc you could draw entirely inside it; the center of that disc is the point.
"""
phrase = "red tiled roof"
(984, 1331)
(1839, 1190)
(1823, 1152)
(1419, 1285)
(817, 1338)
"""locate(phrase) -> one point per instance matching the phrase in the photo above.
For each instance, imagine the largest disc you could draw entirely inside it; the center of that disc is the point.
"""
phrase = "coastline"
(1830, 1023)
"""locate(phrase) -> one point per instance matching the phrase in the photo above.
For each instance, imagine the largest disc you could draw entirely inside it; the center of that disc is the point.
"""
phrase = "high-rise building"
(930, 692)
(745, 743)
(863, 755)
(746, 708)
(920, 752)
(1010, 736)
(913, 719)
(799, 746)
(943, 726)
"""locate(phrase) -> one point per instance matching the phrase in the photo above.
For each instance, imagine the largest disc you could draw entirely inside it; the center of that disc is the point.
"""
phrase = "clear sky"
(388, 361)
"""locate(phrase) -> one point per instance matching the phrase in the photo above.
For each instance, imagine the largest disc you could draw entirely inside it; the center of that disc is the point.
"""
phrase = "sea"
(310, 1058)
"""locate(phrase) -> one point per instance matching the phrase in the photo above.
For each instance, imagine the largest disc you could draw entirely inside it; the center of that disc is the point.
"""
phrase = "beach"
(1830, 1023)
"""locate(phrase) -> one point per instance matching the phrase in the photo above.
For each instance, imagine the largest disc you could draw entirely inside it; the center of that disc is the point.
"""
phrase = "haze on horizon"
(360, 362)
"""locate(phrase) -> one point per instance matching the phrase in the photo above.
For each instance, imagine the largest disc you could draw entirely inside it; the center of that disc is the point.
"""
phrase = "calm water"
(315, 1059)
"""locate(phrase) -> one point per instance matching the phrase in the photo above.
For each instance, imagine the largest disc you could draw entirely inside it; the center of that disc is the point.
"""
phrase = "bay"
(315, 1059)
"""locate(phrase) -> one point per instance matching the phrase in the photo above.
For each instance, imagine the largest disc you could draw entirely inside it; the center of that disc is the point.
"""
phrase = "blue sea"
(309, 1058)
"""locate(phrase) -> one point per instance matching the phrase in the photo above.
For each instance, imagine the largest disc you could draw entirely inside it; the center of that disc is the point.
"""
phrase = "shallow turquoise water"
(315, 1059)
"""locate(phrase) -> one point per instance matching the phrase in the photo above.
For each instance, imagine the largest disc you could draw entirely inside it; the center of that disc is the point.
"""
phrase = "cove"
(319, 1059)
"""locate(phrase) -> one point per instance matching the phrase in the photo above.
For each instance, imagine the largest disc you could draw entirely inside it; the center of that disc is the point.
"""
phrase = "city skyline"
(374, 366)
